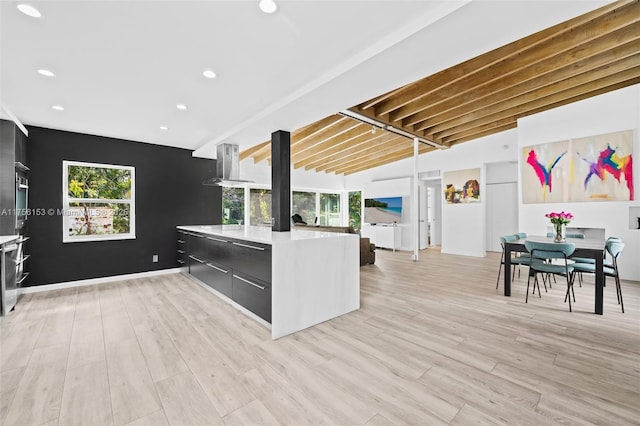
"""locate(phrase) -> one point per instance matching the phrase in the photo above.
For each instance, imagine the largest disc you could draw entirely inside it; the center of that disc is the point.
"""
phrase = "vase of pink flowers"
(559, 221)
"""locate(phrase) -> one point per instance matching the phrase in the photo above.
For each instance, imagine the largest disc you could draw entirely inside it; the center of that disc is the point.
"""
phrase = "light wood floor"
(434, 343)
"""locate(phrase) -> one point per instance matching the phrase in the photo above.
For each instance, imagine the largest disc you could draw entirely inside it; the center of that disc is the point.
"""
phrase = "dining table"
(593, 248)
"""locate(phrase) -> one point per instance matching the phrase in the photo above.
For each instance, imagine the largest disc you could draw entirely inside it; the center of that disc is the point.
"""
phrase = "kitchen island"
(290, 280)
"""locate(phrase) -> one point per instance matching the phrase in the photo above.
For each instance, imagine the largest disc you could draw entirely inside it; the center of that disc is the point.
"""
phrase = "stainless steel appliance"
(8, 282)
(22, 198)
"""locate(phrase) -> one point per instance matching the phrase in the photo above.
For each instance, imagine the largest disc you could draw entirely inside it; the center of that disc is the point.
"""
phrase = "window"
(232, 205)
(355, 210)
(304, 204)
(98, 202)
(260, 207)
(329, 209)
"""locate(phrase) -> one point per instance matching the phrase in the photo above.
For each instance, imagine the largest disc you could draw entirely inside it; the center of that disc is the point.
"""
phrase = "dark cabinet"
(219, 250)
(219, 278)
(253, 259)
(14, 195)
(198, 246)
(20, 148)
(238, 269)
(182, 248)
(253, 294)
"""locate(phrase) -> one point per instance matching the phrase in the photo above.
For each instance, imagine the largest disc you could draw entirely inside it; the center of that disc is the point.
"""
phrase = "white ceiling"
(122, 66)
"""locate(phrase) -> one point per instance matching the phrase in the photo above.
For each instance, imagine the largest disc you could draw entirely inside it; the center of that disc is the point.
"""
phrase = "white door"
(422, 217)
(502, 213)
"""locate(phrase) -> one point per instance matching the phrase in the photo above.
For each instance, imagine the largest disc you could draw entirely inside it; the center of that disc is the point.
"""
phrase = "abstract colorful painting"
(462, 186)
(594, 168)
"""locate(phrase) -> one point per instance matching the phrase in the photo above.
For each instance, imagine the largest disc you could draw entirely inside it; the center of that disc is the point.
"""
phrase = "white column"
(415, 217)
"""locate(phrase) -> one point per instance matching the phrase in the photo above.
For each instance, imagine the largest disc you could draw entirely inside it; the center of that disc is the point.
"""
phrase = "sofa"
(367, 249)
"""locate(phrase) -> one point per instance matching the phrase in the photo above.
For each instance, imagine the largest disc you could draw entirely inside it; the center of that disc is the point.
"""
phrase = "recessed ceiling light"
(46, 73)
(58, 108)
(268, 6)
(209, 74)
(29, 10)
(181, 106)
(164, 128)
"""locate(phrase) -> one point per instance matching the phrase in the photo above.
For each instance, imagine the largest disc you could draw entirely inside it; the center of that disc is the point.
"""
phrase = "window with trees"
(98, 202)
(329, 209)
(260, 207)
(355, 209)
(304, 204)
(232, 205)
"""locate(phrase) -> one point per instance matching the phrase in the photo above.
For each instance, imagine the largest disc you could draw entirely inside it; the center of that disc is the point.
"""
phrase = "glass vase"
(561, 230)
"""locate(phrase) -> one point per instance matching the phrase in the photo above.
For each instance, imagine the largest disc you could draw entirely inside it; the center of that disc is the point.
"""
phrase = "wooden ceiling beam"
(598, 89)
(361, 151)
(521, 106)
(580, 41)
(254, 149)
(343, 149)
(583, 58)
(481, 133)
(380, 98)
(500, 56)
(388, 160)
(325, 134)
(303, 134)
(299, 153)
(378, 154)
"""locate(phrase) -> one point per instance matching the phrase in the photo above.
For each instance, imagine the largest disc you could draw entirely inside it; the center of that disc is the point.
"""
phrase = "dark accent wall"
(169, 192)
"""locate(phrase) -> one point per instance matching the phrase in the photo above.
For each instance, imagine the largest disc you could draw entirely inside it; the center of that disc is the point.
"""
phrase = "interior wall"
(462, 226)
(394, 188)
(169, 192)
(611, 112)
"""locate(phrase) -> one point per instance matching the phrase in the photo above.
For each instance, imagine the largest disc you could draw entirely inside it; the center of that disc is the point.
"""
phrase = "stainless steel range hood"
(227, 167)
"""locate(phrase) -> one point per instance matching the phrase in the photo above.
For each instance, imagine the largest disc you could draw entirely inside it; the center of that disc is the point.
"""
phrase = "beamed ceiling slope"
(583, 57)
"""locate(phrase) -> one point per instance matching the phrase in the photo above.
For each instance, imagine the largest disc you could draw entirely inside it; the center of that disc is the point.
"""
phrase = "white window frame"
(66, 200)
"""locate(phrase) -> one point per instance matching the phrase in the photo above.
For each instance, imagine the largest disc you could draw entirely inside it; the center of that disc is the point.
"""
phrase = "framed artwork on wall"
(593, 168)
(462, 186)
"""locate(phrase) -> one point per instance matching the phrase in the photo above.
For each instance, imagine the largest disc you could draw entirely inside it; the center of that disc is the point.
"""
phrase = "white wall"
(400, 187)
(611, 112)
(463, 226)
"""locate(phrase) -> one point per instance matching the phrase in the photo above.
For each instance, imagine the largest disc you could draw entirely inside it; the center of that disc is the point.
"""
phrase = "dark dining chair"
(515, 260)
(607, 261)
(614, 248)
(542, 256)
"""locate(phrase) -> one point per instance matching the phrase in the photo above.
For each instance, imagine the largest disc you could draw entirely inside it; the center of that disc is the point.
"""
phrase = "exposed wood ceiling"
(586, 56)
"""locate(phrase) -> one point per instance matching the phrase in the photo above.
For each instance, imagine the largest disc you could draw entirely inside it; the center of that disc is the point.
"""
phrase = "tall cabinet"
(14, 184)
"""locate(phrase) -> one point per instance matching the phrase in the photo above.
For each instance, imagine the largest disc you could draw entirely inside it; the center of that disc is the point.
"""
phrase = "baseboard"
(94, 281)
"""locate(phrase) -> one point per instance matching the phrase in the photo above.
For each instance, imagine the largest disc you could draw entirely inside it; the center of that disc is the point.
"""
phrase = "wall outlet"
(155, 258)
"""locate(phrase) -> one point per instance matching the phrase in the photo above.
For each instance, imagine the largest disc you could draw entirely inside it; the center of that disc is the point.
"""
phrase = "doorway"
(431, 204)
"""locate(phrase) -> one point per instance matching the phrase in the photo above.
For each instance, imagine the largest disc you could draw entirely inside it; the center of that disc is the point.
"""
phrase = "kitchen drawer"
(219, 250)
(219, 278)
(253, 294)
(252, 259)
(183, 257)
(198, 268)
(198, 246)
(215, 276)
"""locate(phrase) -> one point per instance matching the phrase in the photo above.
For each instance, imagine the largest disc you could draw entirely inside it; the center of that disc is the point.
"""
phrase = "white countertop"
(8, 238)
(260, 234)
